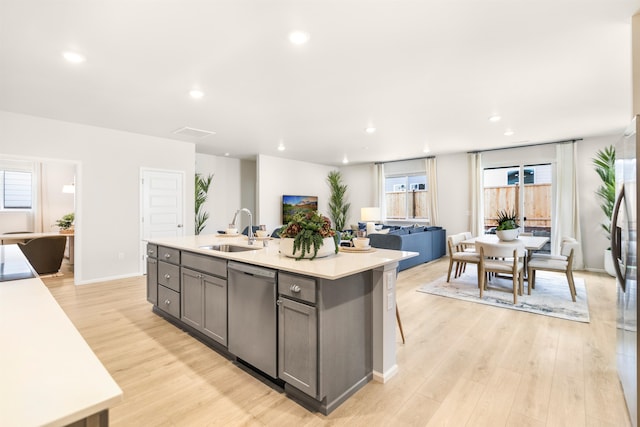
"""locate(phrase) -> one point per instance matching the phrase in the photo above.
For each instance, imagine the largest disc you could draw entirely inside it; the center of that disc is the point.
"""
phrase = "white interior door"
(162, 205)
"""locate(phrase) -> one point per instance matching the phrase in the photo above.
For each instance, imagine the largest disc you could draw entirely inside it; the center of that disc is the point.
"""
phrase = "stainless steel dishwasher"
(252, 316)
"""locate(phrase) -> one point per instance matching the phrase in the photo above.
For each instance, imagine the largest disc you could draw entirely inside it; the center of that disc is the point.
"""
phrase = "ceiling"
(426, 74)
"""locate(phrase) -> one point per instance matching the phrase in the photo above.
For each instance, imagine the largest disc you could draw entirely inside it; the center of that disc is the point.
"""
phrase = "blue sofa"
(429, 242)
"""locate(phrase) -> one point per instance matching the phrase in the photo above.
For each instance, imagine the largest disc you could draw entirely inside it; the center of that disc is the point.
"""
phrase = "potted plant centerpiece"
(508, 227)
(308, 235)
(66, 223)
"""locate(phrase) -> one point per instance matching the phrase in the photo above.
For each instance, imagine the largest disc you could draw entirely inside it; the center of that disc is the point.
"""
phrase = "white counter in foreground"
(48, 374)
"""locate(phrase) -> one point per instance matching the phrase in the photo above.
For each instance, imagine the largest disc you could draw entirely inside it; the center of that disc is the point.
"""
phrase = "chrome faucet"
(250, 232)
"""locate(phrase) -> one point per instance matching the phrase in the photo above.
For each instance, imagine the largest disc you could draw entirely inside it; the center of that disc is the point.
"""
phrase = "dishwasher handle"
(252, 270)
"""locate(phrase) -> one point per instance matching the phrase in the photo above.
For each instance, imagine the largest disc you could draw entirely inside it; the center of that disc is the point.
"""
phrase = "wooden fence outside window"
(537, 204)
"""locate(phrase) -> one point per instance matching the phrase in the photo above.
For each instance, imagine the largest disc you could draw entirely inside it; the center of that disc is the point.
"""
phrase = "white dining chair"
(458, 255)
(562, 263)
(501, 258)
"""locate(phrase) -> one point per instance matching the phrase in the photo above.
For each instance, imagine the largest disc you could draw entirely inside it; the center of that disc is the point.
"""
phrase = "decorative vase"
(328, 247)
(507, 235)
(608, 263)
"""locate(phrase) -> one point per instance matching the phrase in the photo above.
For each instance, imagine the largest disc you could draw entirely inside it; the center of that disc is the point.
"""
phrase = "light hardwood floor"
(463, 364)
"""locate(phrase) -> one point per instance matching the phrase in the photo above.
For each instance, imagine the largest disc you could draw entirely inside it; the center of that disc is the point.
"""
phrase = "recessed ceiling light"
(495, 118)
(298, 37)
(196, 93)
(508, 132)
(426, 150)
(281, 147)
(74, 57)
(370, 129)
(227, 154)
(345, 160)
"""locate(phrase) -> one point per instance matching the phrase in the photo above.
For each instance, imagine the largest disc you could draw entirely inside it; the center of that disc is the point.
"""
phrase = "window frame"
(407, 189)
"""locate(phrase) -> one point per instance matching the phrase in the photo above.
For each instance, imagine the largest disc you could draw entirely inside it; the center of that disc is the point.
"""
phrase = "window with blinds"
(16, 190)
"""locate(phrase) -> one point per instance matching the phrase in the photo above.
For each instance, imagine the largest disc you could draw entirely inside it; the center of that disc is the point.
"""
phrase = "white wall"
(594, 240)
(232, 188)
(276, 176)
(107, 186)
(361, 189)
(454, 213)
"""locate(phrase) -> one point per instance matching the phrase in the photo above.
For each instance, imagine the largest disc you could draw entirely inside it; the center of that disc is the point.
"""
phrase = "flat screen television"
(294, 204)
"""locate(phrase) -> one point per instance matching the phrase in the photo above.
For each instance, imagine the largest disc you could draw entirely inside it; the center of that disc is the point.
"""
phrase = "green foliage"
(338, 206)
(202, 190)
(604, 164)
(507, 220)
(66, 221)
(308, 231)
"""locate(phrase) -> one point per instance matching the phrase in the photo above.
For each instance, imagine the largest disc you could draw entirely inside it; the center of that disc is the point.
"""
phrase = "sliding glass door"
(525, 189)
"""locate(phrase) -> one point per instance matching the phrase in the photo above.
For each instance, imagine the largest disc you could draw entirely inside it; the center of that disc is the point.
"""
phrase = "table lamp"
(370, 216)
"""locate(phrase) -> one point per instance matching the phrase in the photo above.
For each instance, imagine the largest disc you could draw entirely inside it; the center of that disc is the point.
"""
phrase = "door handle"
(615, 245)
(179, 225)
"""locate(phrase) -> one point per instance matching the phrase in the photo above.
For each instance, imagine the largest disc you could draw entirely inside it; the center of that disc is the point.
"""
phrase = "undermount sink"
(229, 248)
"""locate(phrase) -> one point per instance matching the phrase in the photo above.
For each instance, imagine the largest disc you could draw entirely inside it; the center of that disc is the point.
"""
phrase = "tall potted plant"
(604, 164)
(338, 206)
(202, 190)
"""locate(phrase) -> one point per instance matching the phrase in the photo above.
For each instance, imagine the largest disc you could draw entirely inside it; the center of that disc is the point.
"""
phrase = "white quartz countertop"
(333, 267)
(48, 374)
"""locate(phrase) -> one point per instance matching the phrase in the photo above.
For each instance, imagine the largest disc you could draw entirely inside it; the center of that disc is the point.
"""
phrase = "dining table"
(531, 244)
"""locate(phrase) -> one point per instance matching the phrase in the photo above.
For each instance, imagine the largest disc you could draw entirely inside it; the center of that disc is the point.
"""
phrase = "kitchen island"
(49, 375)
(319, 328)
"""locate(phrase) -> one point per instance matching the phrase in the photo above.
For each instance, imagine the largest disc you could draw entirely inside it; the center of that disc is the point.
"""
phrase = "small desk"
(12, 238)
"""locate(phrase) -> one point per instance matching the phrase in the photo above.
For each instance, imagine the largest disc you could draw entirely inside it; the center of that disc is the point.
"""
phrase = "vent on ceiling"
(192, 132)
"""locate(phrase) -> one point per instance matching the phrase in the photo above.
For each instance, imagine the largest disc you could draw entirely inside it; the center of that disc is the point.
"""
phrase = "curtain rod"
(565, 141)
(405, 160)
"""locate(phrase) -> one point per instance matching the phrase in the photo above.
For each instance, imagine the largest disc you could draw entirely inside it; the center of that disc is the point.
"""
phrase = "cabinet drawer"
(302, 288)
(152, 250)
(169, 275)
(169, 301)
(205, 264)
(169, 254)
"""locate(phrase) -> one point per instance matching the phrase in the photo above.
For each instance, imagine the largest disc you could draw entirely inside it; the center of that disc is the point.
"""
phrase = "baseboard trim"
(383, 378)
(106, 279)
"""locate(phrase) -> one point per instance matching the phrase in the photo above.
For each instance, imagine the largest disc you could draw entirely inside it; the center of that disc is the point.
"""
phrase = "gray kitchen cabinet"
(298, 333)
(152, 274)
(298, 345)
(321, 343)
(168, 278)
(203, 298)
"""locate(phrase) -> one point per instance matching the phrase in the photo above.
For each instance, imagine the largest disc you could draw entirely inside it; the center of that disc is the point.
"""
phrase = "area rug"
(550, 297)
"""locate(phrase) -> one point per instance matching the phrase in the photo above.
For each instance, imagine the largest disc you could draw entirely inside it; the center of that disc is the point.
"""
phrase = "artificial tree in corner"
(202, 190)
(338, 205)
(605, 166)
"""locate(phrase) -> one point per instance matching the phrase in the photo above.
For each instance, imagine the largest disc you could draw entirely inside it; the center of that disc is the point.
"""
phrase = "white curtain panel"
(476, 202)
(566, 213)
(41, 208)
(381, 192)
(432, 180)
